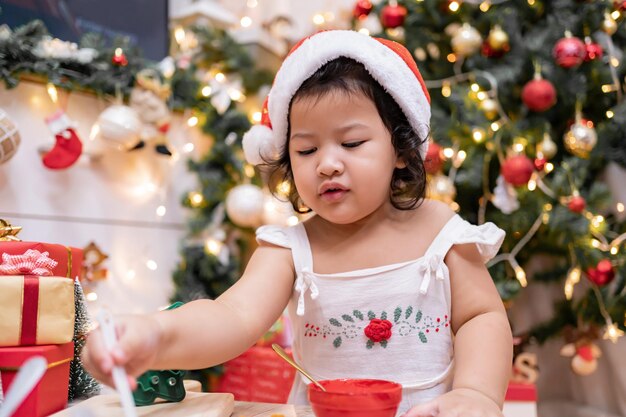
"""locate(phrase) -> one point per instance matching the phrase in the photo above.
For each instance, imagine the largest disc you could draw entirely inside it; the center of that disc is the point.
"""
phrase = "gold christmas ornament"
(609, 25)
(498, 39)
(441, 188)
(9, 138)
(580, 139)
(466, 41)
(547, 148)
(490, 108)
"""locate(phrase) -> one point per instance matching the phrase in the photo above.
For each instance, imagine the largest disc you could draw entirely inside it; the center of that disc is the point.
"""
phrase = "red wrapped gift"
(520, 400)
(36, 308)
(69, 260)
(50, 394)
(259, 374)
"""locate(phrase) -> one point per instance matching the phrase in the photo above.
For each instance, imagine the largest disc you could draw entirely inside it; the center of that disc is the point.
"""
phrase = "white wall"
(110, 202)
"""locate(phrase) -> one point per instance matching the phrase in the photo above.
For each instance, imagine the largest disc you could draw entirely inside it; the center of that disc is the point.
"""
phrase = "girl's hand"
(464, 402)
(139, 339)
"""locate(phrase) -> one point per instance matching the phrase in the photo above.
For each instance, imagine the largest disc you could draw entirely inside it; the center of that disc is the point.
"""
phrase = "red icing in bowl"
(355, 397)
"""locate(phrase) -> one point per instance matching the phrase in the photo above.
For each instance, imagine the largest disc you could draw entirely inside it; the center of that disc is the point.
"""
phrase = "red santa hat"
(388, 62)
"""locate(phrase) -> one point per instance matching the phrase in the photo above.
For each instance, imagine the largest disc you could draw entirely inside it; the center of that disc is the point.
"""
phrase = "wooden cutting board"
(194, 405)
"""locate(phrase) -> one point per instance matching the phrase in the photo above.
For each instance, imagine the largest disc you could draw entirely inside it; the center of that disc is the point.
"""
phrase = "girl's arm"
(201, 333)
(483, 346)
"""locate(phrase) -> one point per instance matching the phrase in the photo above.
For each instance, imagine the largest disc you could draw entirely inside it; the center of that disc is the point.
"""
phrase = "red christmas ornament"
(602, 274)
(392, 16)
(433, 161)
(362, 8)
(569, 52)
(576, 204)
(517, 170)
(620, 5)
(592, 50)
(539, 95)
(540, 163)
(487, 50)
(119, 58)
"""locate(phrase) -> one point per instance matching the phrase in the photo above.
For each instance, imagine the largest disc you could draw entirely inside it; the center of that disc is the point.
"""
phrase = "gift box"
(69, 260)
(50, 394)
(259, 374)
(520, 400)
(37, 293)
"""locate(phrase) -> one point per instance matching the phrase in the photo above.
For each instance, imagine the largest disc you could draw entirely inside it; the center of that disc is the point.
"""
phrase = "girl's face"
(341, 156)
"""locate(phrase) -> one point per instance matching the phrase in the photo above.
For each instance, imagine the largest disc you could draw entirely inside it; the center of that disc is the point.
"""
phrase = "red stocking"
(67, 147)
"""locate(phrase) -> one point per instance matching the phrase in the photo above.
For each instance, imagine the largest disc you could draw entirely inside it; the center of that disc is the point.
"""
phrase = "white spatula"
(29, 375)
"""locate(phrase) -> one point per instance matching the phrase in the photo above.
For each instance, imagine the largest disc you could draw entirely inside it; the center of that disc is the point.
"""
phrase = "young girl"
(380, 282)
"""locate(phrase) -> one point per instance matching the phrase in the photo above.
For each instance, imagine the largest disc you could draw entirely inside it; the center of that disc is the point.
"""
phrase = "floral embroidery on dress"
(406, 322)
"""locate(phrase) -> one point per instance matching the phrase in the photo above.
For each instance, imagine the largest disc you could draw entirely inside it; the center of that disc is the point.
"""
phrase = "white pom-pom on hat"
(388, 62)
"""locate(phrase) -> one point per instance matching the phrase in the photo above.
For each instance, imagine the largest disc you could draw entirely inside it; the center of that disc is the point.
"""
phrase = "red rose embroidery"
(378, 330)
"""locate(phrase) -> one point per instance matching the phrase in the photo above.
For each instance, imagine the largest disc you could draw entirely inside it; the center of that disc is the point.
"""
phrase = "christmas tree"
(82, 384)
(528, 118)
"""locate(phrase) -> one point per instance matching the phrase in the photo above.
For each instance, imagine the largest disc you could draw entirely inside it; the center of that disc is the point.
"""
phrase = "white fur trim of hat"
(385, 65)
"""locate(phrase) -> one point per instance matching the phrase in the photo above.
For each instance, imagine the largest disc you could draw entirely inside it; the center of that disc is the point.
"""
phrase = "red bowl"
(355, 398)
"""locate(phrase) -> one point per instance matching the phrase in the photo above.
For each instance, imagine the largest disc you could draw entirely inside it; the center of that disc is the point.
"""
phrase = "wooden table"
(247, 409)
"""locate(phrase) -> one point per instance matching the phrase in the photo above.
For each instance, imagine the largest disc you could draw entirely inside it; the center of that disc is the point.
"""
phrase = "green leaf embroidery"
(358, 314)
(423, 337)
(335, 322)
(396, 314)
(337, 342)
(347, 318)
(371, 315)
(369, 344)
(383, 343)
(408, 312)
(418, 316)
(383, 315)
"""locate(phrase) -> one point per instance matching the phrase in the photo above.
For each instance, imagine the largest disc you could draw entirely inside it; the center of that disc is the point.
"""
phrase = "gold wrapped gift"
(36, 310)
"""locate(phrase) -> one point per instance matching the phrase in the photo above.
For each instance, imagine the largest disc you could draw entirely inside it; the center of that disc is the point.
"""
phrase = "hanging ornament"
(580, 139)
(441, 188)
(120, 125)
(609, 25)
(9, 138)
(619, 5)
(504, 196)
(490, 108)
(517, 170)
(497, 43)
(569, 52)
(245, 205)
(433, 161)
(584, 356)
(602, 274)
(546, 148)
(539, 94)
(466, 41)
(119, 58)
(67, 147)
(592, 50)
(576, 204)
(362, 9)
(392, 15)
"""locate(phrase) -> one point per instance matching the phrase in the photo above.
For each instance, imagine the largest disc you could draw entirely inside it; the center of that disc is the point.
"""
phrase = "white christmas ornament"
(466, 41)
(9, 138)
(245, 205)
(505, 196)
(120, 125)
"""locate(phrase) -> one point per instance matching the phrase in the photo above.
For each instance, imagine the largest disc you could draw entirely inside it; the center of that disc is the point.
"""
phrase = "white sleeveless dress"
(389, 322)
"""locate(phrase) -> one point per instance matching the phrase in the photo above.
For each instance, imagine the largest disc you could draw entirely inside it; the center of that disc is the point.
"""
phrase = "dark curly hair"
(408, 185)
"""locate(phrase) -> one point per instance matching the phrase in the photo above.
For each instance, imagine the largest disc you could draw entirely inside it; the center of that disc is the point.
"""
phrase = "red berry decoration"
(392, 16)
(539, 95)
(592, 50)
(602, 274)
(540, 163)
(517, 170)
(569, 52)
(577, 204)
(433, 161)
(362, 8)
